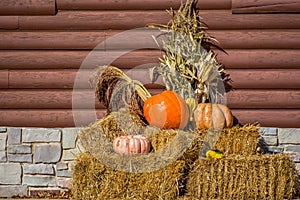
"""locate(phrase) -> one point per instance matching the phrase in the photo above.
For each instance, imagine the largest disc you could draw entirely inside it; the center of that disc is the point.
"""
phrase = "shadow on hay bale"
(243, 177)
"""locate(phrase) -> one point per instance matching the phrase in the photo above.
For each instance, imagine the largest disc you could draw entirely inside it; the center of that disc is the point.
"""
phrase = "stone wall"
(283, 140)
(37, 159)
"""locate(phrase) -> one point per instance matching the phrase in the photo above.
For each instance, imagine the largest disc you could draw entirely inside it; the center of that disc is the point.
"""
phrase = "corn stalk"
(189, 66)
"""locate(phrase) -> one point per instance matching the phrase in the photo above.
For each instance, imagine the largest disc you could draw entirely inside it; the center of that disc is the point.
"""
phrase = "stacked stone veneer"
(37, 159)
(283, 140)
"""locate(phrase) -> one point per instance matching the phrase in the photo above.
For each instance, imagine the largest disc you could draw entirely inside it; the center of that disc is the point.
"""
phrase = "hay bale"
(236, 140)
(240, 140)
(93, 180)
(103, 174)
(243, 177)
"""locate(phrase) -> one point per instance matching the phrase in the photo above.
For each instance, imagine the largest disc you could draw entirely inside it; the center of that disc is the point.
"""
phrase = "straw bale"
(93, 180)
(236, 140)
(101, 169)
(243, 177)
(241, 140)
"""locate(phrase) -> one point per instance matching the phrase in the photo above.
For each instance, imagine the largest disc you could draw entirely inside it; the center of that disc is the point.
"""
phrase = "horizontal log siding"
(58, 59)
(64, 117)
(87, 40)
(27, 7)
(65, 78)
(4, 78)
(62, 98)
(215, 19)
(40, 57)
(137, 4)
(265, 6)
(9, 22)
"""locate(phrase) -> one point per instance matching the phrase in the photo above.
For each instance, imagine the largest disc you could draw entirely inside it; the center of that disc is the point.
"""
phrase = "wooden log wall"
(43, 44)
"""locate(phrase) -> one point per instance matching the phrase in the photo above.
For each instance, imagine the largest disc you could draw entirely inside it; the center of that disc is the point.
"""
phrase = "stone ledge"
(41, 135)
(270, 131)
(14, 135)
(10, 173)
(270, 140)
(70, 154)
(64, 173)
(13, 190)
(19, 149)
(289, 136)
(20, 158)
(37, 180)
(47, 153)
(61, 166)
(3, 138)
(42, 169)
(69, 136)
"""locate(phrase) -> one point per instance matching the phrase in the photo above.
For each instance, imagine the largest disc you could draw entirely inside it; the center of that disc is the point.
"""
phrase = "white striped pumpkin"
(131, 145)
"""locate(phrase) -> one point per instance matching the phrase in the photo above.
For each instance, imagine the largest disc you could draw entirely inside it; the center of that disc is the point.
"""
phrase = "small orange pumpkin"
(215, 116)
(166, 110)
(131, 145)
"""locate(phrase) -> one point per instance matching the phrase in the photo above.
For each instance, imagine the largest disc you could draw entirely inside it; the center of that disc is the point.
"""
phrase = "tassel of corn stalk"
(114, 89)
(188, 57)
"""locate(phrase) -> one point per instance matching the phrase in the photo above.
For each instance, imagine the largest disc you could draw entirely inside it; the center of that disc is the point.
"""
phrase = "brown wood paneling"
(51, 39)
(64, 117)
(219, 19)
(47, 117)
(265, 6)
(25, 59)
(105, 39)
(228, 39)
(245, 79)
(51, 98)
(260, 58)
(262, 98)
(257, 39)
(3, 78)
(95, 19)
(46, 79)
(62, 98)
(41, 59)
(215, 19)
(260, 78)
(56, 59)
(136, 4)
(284, 118)
(27, 7)
(9, 22)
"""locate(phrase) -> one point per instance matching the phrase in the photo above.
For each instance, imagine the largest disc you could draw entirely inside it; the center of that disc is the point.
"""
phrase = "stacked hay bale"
(243, 177)
(94, 180)
(244, 172)
(100, 173)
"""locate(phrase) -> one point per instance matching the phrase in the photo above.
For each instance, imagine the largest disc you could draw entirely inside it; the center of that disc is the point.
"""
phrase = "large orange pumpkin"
(215, 116)
(166, 110)
(131, 145)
